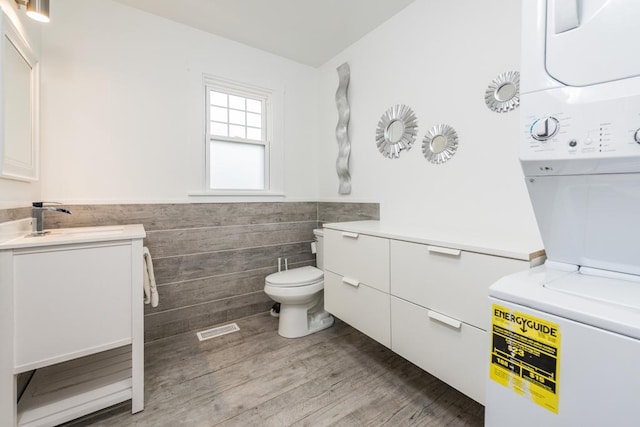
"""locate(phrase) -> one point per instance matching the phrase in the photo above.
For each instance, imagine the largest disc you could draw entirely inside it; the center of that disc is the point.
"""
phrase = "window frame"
(265, 96)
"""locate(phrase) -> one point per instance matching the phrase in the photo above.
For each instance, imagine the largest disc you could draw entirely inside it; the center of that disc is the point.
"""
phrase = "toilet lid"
(295, 277)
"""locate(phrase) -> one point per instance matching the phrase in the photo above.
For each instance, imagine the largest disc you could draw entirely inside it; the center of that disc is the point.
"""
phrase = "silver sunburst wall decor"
(440, 144)
(503, 93)
(396, 131)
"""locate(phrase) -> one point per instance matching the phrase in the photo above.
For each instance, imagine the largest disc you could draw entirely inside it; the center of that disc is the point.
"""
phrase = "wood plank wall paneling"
(211, 259)
(198, 240)
(185, 215)
(341, 212)
(185, 267)
(14, 214)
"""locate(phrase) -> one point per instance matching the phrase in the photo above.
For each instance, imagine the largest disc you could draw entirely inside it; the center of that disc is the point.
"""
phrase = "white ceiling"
(306, 31)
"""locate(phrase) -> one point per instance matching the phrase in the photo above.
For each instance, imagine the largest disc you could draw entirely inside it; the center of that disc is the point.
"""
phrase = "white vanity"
(422, 293)
(71, 308)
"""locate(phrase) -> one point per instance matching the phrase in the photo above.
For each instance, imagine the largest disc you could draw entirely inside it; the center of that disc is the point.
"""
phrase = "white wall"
(122, 114)
(437, 56)
(123, 105)
(17, 193)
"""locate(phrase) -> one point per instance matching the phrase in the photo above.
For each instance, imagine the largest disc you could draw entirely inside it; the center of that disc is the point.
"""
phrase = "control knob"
(545, 128)
(636, 136)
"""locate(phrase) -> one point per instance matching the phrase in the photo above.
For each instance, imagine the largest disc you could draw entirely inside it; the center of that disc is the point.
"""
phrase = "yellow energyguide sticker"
(525, 355)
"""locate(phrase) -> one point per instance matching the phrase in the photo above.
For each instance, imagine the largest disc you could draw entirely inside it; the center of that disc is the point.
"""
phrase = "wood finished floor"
(256, 378)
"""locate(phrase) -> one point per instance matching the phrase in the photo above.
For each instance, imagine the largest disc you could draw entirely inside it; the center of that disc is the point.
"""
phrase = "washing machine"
(564, 342)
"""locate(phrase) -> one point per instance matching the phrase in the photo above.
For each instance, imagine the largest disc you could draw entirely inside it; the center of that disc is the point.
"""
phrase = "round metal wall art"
(396, 131)
(440, 144)
(503, 93)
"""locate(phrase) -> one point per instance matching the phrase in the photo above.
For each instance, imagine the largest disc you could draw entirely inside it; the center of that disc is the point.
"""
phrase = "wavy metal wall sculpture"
(342, 134)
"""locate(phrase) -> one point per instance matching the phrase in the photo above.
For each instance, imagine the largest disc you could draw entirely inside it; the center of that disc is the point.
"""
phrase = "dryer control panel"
(604, 135)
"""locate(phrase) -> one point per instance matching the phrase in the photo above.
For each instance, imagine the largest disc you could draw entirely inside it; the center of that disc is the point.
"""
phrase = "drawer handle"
(350, 235)
(351, 282)
(444, 319)
(445, 251)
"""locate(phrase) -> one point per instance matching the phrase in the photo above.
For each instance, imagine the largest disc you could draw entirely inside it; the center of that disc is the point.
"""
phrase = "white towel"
(150, 289)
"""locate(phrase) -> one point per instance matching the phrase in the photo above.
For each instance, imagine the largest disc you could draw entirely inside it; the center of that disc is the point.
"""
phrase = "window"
(237, 137)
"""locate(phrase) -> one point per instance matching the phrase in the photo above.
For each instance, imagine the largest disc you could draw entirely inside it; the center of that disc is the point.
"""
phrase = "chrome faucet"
(37, 215)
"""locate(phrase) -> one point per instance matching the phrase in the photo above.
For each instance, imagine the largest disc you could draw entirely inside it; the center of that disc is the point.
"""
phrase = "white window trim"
(274, 144)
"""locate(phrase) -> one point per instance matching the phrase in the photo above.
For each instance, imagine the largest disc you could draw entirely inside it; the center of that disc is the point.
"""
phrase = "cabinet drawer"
(71, 302)
(359, 257)
(456, 355)
(364, 308)
(452, 282)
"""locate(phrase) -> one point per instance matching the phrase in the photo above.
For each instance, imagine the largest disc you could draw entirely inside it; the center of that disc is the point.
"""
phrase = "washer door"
(592, 41)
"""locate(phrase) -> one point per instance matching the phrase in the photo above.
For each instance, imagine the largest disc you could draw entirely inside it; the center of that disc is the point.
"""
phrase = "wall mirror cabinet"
(19, 106)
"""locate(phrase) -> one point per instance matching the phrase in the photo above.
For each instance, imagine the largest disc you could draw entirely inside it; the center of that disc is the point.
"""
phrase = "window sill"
(235, 193)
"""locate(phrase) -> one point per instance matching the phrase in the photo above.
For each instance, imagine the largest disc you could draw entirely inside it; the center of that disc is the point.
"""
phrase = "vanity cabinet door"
(358, 257)
(448, 349)
(71, 301)
(453, 282)
(363, 307)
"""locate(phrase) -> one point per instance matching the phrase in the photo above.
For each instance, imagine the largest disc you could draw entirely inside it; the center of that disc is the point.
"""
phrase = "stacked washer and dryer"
(565, 337)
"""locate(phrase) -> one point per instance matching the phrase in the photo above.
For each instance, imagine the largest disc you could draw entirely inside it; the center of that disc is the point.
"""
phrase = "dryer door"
(592, 41)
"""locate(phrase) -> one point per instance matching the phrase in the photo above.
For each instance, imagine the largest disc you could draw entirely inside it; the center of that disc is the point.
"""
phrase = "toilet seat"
(303, 276)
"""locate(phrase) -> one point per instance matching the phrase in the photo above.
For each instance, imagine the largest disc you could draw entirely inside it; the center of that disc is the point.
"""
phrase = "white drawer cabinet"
(91, 310)
(425, 298)
(71, 304)
(358, 257)
(452, 351)
(363, 307)
(449, 281)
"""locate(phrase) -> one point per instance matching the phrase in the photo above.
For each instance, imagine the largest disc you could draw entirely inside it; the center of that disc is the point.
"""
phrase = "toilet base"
(297, 321)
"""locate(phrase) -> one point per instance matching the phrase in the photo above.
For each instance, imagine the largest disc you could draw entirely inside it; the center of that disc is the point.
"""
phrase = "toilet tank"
(319, 237)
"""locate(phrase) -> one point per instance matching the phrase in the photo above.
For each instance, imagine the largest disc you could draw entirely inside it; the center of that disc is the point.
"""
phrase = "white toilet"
(300, 292)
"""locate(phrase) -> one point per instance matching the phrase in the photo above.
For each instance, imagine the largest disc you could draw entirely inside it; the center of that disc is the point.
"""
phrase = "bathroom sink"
(76, 235)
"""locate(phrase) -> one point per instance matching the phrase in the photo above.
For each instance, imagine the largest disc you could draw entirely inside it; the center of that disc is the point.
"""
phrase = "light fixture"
(36, 9)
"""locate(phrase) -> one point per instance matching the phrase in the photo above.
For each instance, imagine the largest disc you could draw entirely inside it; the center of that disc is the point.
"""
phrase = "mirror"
(503, 93)
(396, 131)
(18, 90)
(440, 144)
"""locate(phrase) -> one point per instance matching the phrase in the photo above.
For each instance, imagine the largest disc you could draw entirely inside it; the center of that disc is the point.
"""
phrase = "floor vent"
(216, 332)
